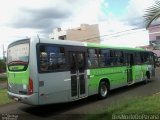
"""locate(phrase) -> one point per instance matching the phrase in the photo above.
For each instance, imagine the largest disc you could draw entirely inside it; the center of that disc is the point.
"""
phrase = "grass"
(3, 79)
(132, 106)
(4, 97)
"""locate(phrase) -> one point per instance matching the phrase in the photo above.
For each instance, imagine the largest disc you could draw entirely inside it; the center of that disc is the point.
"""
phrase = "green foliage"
(3, 79)
(152, 13)
(2, 66)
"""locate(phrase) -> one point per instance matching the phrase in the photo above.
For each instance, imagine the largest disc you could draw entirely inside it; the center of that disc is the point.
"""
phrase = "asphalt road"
(78, 109)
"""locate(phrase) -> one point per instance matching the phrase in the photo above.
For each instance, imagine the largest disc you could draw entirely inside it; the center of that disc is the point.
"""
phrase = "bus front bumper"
(27, 99)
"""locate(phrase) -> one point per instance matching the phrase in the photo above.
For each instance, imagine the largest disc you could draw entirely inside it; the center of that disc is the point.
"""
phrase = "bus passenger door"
(130, 62)
(78, 75)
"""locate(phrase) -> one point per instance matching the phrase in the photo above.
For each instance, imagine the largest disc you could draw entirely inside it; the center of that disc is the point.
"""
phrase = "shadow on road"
(55, 109)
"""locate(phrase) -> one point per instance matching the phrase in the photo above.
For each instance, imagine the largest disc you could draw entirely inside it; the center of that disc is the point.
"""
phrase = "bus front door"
(129, 68)
(78, 74)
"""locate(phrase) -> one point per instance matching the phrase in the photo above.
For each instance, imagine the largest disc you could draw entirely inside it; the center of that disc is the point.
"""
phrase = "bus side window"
(92, 58)
(43, 61)
(146, 58)
(113, 58)
(125, 59)
(104, 58)
(118, 58)
(101, 59)
(138, 59)
(61, 58)
(52, 58)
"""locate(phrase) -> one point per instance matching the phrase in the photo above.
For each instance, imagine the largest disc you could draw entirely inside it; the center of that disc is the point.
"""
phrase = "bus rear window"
(18, 55)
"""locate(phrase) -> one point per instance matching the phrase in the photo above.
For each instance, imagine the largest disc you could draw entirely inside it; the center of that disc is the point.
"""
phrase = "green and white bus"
(44, 71)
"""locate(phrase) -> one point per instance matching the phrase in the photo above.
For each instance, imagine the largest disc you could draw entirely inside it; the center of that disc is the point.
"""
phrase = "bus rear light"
(30, 86)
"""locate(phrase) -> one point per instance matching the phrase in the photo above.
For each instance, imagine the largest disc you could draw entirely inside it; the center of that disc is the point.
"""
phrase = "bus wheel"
(103, 90)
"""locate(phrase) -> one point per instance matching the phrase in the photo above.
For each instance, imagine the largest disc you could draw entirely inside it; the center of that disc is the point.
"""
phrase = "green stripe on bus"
(21, 77)
(94, 45)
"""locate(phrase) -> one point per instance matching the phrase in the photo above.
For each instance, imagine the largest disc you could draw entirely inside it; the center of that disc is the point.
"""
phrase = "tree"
(2, 66)
(152, 13)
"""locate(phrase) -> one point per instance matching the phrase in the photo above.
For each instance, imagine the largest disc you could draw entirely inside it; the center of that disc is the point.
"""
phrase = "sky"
(25, 18)
(114, 6)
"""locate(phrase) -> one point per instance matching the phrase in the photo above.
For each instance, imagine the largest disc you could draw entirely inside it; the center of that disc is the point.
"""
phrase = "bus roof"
(95, 45)
(61, 42)
(77, 43)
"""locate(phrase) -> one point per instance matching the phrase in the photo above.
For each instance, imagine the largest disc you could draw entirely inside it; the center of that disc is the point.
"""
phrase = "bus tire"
(103, 90)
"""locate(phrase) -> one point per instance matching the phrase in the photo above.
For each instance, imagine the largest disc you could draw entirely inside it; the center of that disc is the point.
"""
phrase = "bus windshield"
(18, 55)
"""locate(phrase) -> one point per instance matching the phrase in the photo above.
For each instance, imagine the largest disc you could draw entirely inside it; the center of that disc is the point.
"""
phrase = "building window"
(62, 37)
